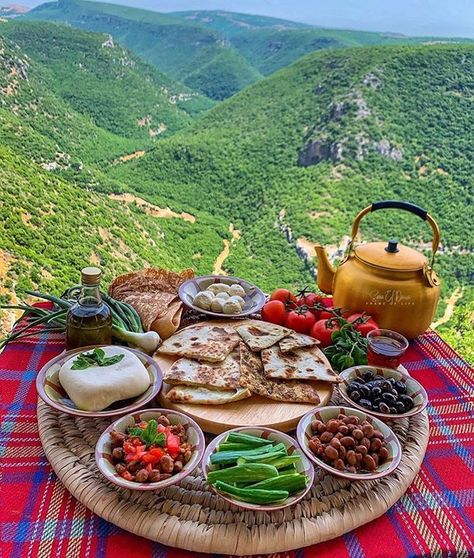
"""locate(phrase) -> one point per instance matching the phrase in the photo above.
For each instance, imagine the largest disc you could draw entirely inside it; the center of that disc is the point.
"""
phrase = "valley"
(107, 160)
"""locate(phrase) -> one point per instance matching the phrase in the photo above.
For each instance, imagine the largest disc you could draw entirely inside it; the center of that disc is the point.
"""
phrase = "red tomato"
(172, 444)
(309, 299)
(157, 452)
(365, 323)
(150, 458)
(274, 312)
(126, 475)
(323, 329)
(301, 321)
(285, 296)
(325, 315)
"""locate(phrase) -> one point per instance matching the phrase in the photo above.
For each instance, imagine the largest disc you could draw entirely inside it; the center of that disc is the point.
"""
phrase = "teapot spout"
(326, 271)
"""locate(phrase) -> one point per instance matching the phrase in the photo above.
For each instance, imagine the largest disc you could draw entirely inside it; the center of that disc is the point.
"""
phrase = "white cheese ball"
(240, 301)
(231, 307)
(223, 296)
(216, 305)
(236, 290)
(203, 300)
(217, 288)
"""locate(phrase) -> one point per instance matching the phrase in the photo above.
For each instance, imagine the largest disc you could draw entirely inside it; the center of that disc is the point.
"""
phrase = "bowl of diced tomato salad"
(150, 450)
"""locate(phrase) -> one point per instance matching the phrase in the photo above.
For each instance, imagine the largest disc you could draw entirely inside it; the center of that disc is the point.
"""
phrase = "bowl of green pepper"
(257, 468)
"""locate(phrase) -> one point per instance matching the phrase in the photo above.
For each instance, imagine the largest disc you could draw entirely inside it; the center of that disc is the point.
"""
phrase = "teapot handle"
(406, 206)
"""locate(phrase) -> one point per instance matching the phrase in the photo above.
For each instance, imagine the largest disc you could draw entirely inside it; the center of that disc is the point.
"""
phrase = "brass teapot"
(393, 283)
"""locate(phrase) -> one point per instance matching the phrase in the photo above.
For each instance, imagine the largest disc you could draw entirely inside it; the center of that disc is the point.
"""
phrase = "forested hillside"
(344, 129)
(190, 53)
(215, 52)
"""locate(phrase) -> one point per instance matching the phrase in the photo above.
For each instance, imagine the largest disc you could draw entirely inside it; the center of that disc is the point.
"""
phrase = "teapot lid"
(390, 255)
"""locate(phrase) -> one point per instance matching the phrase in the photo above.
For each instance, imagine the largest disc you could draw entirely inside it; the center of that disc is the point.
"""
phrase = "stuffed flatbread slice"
(252, 377)
(302, 364)
(204, 396)
(260, 335)
(209, 343)
(297, 341)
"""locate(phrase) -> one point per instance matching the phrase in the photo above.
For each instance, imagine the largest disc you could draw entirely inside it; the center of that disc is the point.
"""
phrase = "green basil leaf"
(111, 360)
(135, 431)
(99, 355)
(150, 432)
(160, 439)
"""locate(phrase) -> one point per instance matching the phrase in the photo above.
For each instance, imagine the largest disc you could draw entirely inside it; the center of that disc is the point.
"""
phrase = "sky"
(412, 17)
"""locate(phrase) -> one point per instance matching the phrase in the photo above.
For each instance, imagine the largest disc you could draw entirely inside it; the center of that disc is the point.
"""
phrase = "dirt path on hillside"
(153, 210)
(333, 250)
(129, 157)
(450, 305)
(218, 270)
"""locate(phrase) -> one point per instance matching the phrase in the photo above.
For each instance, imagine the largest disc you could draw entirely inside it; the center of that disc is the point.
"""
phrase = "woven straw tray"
(190, 517)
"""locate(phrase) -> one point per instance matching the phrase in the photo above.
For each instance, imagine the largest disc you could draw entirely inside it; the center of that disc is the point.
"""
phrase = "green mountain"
(270, 44)
(198, 57)
(343, 129)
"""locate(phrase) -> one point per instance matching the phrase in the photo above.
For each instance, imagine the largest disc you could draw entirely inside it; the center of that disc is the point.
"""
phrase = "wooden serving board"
(255, 411)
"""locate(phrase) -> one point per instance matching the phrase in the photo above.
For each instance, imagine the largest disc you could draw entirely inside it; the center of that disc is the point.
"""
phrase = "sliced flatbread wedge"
(252, 377)
(297, 341)
(204, 396)
(217, 375)
(302, 364)
(260, 335)
(210, 343)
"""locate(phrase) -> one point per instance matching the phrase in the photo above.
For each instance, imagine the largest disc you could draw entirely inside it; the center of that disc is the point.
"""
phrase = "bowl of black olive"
(382, 392)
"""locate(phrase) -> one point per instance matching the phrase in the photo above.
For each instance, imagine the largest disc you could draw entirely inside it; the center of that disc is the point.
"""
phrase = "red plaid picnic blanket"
(434, 518)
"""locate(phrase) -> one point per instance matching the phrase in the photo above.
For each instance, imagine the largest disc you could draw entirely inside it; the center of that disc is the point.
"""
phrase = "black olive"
(400, 387)
(364, 391)
(386, 386)
(384, 408)
(400, 407)
(368, 376)
(376, 391)
(391, 380)
(388, 398)
(394, 392)
(375, 406)
(407, 401)
(393, 410)
(365, 403)
(355, 396)
(377, 400)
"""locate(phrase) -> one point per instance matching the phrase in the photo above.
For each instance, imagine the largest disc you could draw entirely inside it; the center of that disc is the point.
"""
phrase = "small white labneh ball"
(236, 290)
(223, 296)
(203, 300)
(216, 305)
(217, 288)
(240, 301)
(231, 307)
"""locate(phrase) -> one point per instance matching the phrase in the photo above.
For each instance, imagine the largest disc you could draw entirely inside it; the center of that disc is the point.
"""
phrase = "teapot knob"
(391, 247)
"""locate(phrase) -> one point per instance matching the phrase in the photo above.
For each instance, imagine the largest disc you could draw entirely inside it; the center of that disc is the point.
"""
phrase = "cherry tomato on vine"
(309, 299)
(275, 312)
(284, 295)
(323, 329)
(364, 323)
(300, 320)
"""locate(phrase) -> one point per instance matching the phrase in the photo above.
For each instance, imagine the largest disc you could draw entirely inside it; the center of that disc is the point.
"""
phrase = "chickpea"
(326, 437)
(368, 430)
(358, 434)
(375, 457)
(362, 449)
(117, 454)
(120, 468)
(369, 463)
(178, 466)
(315, 425)
(331, 453)
(154, 475)
(351, 457)
(162, 419)
(342, 452)
(347, 441)
(335, 443)
(141, 476)
(383, 453)
(378, 434)
(343, 429)
(187, 455)
(339, 464)
(375, 444)
(133, 466)
(365, 442)
(167, 464)
(332, 426)
(314, 444)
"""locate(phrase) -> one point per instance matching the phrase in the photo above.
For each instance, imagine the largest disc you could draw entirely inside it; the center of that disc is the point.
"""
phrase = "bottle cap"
(90, 275)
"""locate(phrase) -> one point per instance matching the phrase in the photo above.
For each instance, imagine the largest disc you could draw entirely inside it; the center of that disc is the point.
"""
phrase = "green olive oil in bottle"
(89, 321)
